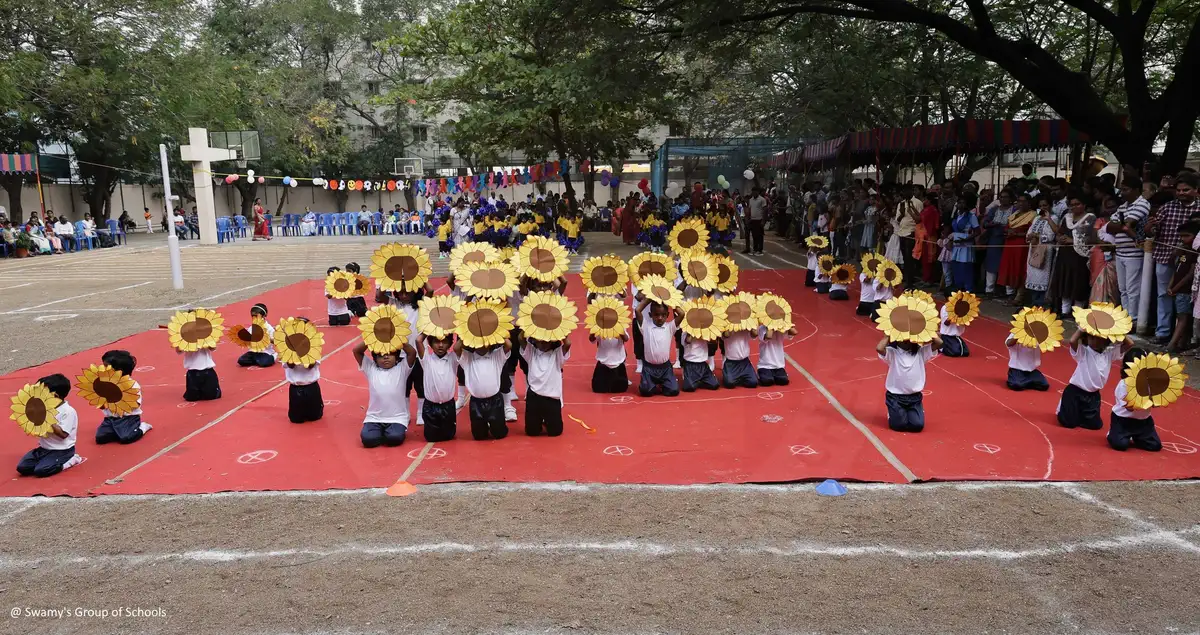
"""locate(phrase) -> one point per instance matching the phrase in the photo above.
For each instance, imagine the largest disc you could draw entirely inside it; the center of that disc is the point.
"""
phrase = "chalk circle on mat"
(433, 453)
(987, 448)
(770, 396)
(1178, 448)
(618, 450)
(621, 399)
(799, 450)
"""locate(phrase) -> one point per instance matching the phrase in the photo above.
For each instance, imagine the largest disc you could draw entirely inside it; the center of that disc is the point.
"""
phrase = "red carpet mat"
(976, 429)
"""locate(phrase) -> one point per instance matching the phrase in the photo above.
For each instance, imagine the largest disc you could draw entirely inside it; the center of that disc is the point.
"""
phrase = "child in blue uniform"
(127, 428)
(56, 451)
(1130, 427)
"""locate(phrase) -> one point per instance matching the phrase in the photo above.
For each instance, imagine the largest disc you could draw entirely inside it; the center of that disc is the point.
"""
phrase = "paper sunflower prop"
(1038, 328)
(843, 274)
(605, 275)
(888, 274)
(362, 284)
(702, 319)
(191, 331)
(1103, 320)
(339, 284)
(871, 262)
(825, 265)
(106, 387)
(607, 317)
(436, 314)
(962, 307)
(649, 264)
(34, 408)
(547, 316)
(385, 330)
(1154, 379)
(482, 324)
(920, 295)
(908, 319)
(472, 252)
(253, 337)
(298, 342)
(727, 274)
(491, 280)
(739, 311)
(400, 267)
(687, 236)
(817, 242)
(542, 259)
(699, 269)
(773, 312)
(659, 289)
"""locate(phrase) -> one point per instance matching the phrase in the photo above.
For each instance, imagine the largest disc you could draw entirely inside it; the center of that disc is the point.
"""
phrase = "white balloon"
(367, 185)
(249, 174)
(749, 174)
(294, 183)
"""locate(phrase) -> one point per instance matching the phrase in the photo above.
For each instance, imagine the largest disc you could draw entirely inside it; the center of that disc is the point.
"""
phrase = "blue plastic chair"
(270, 224)
(294, 224)
(284, 228)
(240, 225)
(376, 224)
(340, 219)
(225, 230)
(324, 224)
(114, 230)
(81, 238)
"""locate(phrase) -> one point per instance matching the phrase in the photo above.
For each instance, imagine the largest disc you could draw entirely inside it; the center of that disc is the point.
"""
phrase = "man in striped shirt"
(1126, 231)
(1165, 227)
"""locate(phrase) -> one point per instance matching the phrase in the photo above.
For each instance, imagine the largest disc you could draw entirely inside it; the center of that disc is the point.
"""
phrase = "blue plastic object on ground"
(830, 487)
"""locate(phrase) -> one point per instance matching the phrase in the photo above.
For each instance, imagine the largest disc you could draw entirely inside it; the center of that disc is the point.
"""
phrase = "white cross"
(200, 155)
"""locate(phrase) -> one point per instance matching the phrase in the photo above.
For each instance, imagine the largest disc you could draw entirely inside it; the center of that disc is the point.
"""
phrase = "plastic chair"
(376, 224)
(81, 238)
(270, 220)
(324, 224)
(239, 223)
(114, 230)
(225, 230)
(293, 225)
(283, 227)
(340, 219)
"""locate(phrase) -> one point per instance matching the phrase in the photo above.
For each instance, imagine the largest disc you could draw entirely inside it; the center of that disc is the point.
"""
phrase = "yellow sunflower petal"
(647, 263)
(605, 275)
(436, 314)
(688, 236)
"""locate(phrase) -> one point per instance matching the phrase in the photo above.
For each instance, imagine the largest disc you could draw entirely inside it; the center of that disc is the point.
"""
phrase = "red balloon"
(333, 185)
(358, 185)
(391, 186)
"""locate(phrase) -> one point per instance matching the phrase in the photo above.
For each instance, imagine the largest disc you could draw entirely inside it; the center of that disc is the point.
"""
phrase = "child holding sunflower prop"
(385, 334)
(727, 275)
(816, 245)
(472, 252)
(825, 266)
(401, 267)
(689, 235)
(605, 276)
(483, 347)
(608, 321)
(699, 272)
(546, 321)
(960, 309)
(42, 411)
(339, 286)
(356, 302)
(1035, 330)
(658, 335)
(299, 344)
(1147, 380)
(869, 287)
(839, 281)
(701, 323)
(736, 369)
(195, 334)
(112, 388)
(437, 315)
(910, 341)
(1092, 347)
(257, 339)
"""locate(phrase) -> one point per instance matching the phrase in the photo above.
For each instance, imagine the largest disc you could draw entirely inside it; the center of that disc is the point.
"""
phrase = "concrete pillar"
(200, 155)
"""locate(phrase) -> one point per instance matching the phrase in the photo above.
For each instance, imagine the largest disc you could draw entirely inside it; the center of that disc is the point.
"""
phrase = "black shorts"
(305, 403)
(201, 385)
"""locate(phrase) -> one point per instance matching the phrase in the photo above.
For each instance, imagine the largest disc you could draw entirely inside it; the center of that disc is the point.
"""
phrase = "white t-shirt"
(951, 329)
(1092, 368)
(64, 229)
(483, 371)
(882, 293)
(838, 287)
(68, 420)
(737, 346)
(866, 291)
(411, 314)
(545, 370)
(694, 350)
(1023, 358)
(199, 360)
(657, 341)
(136, 411)
(906, 371)
(633, 294)
(812, 261)
(611, 351)
(441, 376)
(770, 351)
(1119, 407)
(301, 376)
(337, 306)
(385, 388)
(270, 350)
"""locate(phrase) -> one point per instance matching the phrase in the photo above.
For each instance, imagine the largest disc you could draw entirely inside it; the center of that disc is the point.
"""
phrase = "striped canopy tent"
(918, 144)
(17, 164)
(786, 159)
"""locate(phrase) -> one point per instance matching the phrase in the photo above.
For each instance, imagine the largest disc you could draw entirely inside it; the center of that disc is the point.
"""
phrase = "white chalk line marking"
(1176, 539)
(637, 548)
(77, 297)
(858, 425)
(412, 467)
(213, 297)
(18, 286)
(13, 513)
(120, 477)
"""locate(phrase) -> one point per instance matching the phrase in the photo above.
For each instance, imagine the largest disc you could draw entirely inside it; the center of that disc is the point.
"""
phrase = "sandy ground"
(553, 558)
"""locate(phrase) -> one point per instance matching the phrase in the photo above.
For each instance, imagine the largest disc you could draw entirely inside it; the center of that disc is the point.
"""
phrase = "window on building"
(420, 134)
(372, 88)
(676, 130)
(376, 132)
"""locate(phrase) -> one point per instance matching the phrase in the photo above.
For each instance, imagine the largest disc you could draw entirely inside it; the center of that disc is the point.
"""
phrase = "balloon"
(749, 174)
(287, 180)
(367, 186)
(249, 174)
(604, 180)
(261, 180)
(391, 186)
(293, 183)
(341, 185)
(229, 179)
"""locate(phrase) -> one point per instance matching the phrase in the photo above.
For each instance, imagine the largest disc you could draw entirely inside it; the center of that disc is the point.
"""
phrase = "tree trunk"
(589, 183)
(248, 190)
(14, 184)
(618, 166)
(282, 201)
(339, 198)
(98, 189)
(972, 165)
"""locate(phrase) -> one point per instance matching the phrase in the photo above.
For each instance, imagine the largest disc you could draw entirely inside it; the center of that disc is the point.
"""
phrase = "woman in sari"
(930, 229)
(308, 224)
(630, 222)
(1015, 257)
(1101, 267)
(1040, 261)
(1070, 282)
(964, 227)
(262, 231)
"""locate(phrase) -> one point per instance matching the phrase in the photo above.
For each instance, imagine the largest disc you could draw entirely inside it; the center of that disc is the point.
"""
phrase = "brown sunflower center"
(107, 390)
(842, 275)
(35, 411)
(739, 311)
(962, 308)
(660, 292)
(1100, 320)
(489, 279)
(195, 330)
(546, 316)
(907, 320)
(652, 268)
(384, 330)
(688, 238)
(889, 275)
(483, 322)
(341, 285)
(1037, 330)
(604, 276)
(442, 317)
(697, 269)
(256, 333)
(358, 284)
(723, 273)
(699, 318)
(475, 256)
(872, 263)
(1152, 382)
(401, 268)
(542, 260)
(606, 318)
(299, 343)
(774, 311)
(244, 335)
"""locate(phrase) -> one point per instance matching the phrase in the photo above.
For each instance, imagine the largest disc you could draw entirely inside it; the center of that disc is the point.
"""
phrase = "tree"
(1090, 61)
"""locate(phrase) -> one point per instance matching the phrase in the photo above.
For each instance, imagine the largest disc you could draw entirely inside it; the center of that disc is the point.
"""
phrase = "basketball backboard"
(409, 166)
(244, 142)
